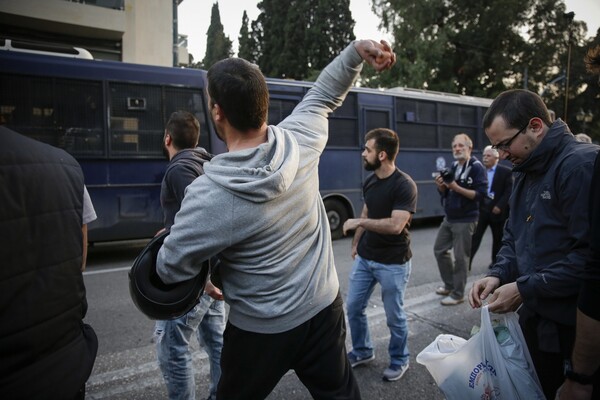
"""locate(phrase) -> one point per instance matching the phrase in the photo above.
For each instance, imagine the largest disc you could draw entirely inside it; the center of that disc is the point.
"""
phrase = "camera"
(447, 175)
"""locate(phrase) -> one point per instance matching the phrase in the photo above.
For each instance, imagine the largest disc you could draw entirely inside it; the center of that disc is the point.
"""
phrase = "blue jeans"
(393, 279)
(207, 319)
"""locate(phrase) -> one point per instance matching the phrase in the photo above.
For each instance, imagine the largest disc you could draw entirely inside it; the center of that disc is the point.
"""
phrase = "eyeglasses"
(506, 145)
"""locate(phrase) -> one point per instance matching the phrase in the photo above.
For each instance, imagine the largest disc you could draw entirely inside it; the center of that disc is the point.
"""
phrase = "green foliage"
(296, 40)
(246, 42)
(481, 48)
(471, 47)
(218, 46)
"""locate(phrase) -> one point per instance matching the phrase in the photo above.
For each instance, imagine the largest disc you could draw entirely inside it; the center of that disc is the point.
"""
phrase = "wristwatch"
(575, 377)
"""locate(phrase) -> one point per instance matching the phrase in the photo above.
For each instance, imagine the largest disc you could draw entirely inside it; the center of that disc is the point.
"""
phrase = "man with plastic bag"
(546, 238)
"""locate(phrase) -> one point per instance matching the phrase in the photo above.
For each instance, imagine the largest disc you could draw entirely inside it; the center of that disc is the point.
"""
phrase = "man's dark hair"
(517, 107)
(385, 140)
(184, 130)
(592, 60)
(240, 89)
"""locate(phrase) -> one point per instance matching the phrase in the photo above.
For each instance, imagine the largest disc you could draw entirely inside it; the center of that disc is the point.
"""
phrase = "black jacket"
(183, 169)
(472, 176)
(547, 235)
(45, 349)
(502, 188)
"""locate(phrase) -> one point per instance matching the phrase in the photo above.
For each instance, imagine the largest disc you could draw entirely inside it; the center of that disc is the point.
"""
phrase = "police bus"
(111, 115)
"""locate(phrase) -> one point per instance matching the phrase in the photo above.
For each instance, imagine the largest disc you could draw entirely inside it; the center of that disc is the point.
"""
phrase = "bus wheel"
(337, 215)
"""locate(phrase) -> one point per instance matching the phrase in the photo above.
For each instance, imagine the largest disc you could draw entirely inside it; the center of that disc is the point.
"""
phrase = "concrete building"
(135, 31)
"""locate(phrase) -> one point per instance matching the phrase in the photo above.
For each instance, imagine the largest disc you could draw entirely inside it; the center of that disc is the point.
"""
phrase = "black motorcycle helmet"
(156, 299)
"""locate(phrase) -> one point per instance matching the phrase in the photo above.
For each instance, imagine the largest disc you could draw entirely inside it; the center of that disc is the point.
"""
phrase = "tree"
(301, 38)
(218, 46)
(481, 48)
(330, 30)
(458, 46)
(246, 41)
(271, 23)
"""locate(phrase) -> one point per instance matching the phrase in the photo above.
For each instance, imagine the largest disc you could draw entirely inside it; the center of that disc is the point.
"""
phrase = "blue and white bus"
(110, 116)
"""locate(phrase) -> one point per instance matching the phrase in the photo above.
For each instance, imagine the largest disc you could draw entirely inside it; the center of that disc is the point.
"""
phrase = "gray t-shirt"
(89, 214)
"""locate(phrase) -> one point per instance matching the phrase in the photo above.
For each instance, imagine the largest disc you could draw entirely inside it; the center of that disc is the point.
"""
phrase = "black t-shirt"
(396, 192)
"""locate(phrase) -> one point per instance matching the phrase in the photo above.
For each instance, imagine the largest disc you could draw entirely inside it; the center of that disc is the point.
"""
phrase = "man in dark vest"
(45, 348)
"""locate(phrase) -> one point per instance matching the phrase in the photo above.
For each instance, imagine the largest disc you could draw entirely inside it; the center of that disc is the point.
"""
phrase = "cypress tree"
(218, 46)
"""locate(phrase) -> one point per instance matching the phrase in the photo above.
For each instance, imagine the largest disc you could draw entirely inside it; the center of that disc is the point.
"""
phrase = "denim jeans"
(207, 319)
(393, 279)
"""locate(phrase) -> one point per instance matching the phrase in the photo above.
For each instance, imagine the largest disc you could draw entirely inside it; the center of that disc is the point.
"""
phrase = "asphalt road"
(126, 368)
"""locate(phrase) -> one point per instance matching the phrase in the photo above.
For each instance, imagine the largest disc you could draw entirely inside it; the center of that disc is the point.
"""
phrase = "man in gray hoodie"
(258, 207)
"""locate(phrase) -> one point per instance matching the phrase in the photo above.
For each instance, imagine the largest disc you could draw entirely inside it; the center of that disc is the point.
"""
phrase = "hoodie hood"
(542, 156)
(196, 154)
(261, 173)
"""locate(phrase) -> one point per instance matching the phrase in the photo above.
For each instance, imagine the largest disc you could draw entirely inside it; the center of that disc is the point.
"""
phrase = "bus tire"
(337, 215)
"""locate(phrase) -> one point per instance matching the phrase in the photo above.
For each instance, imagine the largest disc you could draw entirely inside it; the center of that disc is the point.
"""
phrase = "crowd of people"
(257, 210)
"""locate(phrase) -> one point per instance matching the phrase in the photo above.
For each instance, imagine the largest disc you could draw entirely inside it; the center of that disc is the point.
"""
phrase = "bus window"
(343, 124)
(448, 133)
(64, 113)
(189, 100)
(417, 136)
(78, 116)
(468, 115)
(376, 119)
(427, 111)
(415, 111)
(136, 122)
(416, 123)
(279, 109)
(455, 114)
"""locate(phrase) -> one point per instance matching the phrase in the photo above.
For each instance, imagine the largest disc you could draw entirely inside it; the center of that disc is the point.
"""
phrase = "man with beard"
(462, 188)
(207, 318)
(381, 252)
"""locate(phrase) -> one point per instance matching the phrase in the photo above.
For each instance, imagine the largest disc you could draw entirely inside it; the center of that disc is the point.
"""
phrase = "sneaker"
(442, 291)
(394, 372)
(451, 301)
(356, 361)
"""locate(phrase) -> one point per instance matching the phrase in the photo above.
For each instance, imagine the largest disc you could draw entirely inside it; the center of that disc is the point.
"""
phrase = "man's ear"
(537, 125)
(168, 139)
(217, 112)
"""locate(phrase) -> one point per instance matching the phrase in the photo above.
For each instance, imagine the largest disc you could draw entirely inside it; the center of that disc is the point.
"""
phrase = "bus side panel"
(340, 172)
(126, 199)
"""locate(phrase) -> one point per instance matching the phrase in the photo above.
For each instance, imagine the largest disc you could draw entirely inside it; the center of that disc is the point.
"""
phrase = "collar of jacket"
(543, 155)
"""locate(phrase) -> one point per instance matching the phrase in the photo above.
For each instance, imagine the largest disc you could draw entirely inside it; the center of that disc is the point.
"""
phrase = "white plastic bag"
(484, 367)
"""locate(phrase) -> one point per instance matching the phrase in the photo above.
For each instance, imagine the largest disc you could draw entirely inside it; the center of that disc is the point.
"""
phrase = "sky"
(194, 19)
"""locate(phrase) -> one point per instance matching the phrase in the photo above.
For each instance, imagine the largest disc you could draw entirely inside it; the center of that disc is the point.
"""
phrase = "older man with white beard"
(462, 188)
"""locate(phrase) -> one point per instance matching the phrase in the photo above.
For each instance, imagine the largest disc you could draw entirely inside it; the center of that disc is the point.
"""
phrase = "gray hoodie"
(261, 211)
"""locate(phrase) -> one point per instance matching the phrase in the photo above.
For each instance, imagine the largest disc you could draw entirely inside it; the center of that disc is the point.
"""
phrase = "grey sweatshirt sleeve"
(191, 241)
(309, 122)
